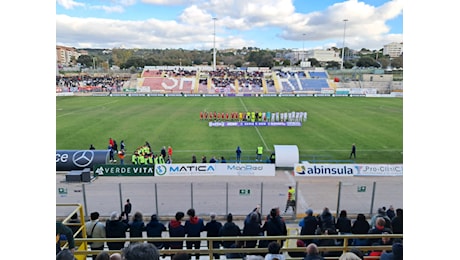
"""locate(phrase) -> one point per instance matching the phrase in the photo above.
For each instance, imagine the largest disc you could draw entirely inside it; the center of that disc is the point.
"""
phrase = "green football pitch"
(375, 125)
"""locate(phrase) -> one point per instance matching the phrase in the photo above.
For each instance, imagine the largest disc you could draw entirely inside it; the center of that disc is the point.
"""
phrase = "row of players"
(255, 116)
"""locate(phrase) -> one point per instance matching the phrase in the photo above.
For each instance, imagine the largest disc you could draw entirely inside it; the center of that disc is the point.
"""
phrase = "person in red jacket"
(170, 153)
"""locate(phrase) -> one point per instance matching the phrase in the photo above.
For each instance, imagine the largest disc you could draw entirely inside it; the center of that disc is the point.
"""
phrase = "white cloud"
(69, 4)
(109, 9)
(277, 19)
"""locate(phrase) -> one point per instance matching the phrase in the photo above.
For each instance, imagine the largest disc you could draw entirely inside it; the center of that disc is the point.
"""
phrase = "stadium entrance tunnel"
(286, 155)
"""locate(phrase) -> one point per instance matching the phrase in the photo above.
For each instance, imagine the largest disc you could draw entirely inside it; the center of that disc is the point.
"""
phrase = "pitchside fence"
(356, 195)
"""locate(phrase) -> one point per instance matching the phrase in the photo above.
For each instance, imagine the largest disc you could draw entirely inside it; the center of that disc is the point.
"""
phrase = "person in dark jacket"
(212, 229)
(343, 225)
(360, 226)
(274, 226)
(137, 225)
(309, 226)
(252, 228)
(379, 229)
(229, 229)
(326, 220)
(176, 229)
(193, 228)
(115, 228)
(397, 222)
(155, 229)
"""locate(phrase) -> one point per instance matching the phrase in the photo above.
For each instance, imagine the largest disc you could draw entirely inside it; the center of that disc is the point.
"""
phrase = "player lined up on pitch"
(255, 116)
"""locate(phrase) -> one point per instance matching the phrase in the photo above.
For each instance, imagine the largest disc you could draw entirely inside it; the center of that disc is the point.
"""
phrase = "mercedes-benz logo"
(83, 158)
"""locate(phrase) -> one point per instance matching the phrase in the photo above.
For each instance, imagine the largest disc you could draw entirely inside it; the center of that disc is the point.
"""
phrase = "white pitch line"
(257, 129)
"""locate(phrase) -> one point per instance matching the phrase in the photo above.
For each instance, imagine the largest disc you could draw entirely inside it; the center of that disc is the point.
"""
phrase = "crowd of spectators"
(188, 224)
(86, 83)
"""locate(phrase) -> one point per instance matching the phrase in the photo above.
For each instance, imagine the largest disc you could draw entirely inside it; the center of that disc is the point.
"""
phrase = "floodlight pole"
(214, 48)
(343, 45)
(303, 46)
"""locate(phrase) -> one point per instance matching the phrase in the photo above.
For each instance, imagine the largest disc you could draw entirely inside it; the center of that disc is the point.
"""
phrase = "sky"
(265, 24)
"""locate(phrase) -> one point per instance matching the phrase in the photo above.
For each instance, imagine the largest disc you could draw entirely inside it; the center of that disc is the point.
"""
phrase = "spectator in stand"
(137, 225)
(65, 254)
(309, 225)
(155, 229)
(379, 229)
(397, 222)
(116, 256)
(350, 256)
(141, 251)
(381, 213)
(95, 229)
(176, 229)
(299, 243)
(384, 241)
(193, 228)
(329, 242)
(229, 229)
(115, 228)
(62, 229)
(103, 256)
(343, 224)
(391, 212)
(395, 254)
(259, 216)
(360, 226)
(212, 229)
(274, 252)
(274, 226)
(252, 228)
(326, 220)
(312, 252)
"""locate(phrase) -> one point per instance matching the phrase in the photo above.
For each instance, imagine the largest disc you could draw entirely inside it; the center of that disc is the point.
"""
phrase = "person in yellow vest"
(141, 159)
(155, 160)
(150, 159)
(291, 199)
(259, 152)
(134, 158)
(253, 116)
(161, 159)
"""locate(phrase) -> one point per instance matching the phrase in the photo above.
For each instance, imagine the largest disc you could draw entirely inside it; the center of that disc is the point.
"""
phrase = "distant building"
(394, 49)
(64, 54)
(323, 55)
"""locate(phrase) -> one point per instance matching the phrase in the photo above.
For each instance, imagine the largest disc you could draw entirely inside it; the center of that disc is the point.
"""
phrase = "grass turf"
(375, 125)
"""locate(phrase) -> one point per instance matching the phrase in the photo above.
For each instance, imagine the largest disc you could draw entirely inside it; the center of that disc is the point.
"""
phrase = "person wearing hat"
(309, 225)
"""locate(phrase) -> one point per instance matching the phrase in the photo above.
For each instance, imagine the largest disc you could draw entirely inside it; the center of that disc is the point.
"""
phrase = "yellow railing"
(210, 251)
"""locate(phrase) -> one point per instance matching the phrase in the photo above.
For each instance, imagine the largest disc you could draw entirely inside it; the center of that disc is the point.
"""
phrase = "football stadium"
(193, 145)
